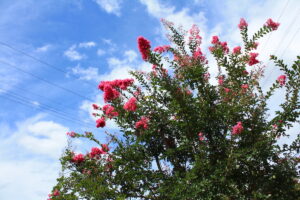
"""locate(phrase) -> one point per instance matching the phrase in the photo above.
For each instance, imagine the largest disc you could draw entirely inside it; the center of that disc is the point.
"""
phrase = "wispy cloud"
(89, 74)
(73, 54)
(87, 44)
(100, 52)
(44, 48)
(110, 6)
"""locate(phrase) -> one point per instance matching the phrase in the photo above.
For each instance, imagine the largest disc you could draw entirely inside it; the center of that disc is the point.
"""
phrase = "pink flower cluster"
(243, 24)
(281, 79)
(109, 111)
(198, 55)
(79, 158)
(252, 59)
(109, 88)
(227, 90)
(123, 84)
(143, 123)
(245, 87)
(95, 106)
(215, 41)
(237, 129)
(206, 76)
(271, 24)
(220, 80)
(195, 38)
(144, 47)
(236, 50)
(201, 136)
(55, 193)
(100, 122)
(161, 49)
(97, 152)
(130, 105)
(71, 134)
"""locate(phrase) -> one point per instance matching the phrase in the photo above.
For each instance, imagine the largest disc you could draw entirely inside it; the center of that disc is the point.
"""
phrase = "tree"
(186, 138)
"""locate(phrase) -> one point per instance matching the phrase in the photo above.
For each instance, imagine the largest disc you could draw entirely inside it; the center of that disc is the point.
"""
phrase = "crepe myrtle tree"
(184, 137)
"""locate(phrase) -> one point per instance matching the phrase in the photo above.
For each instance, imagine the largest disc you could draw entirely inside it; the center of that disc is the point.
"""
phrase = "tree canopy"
(186, 136)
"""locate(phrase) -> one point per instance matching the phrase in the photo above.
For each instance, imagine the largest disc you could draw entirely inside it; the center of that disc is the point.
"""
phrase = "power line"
(282, 11)
(40, 61)
(29, 103)
(290, 42)
(46, 81)
(285, 33)
(59, 104)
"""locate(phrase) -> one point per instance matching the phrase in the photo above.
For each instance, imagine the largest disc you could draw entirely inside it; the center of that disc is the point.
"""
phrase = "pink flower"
(198, 55)
(194, 30)
(220, 80)
(245, 72)
(188, 92)
(237, 129)
(243, 24)
(215, 39)
(211, 49)
(100, 122)
(95, 151)
(237, 50)
(130, 105)
(105, 147)
(143, 123)
(224, 46)
(201, 136)
(271, 24)
(78, 158)
(245, 86)
(206, 76)
(56, 192)
(95, 106)
(227, 90)
(110, 93)
(161, 49)
(281, 79)
(255, 45)
(252, 59)
(109, 111)
(144, 47)
(122, 84)
(195, 38)
(71, 134)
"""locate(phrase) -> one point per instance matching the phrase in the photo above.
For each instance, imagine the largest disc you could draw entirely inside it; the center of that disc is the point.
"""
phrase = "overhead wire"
(40, 61)
(46, 81)
(285, 33)
(53, 111)
(282, 11)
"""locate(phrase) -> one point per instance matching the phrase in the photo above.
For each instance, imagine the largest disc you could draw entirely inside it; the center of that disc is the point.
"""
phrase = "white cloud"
(100, 52)
(182, 17)
(130, 55)
(43, 48)
(41, 137)
(110, 6)
(73, 55)
(90, 73)
(87, 44)
(29, 157)
(27, 179)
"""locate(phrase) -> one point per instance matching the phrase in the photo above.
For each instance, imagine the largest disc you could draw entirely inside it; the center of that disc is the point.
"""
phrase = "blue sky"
(86, 41)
